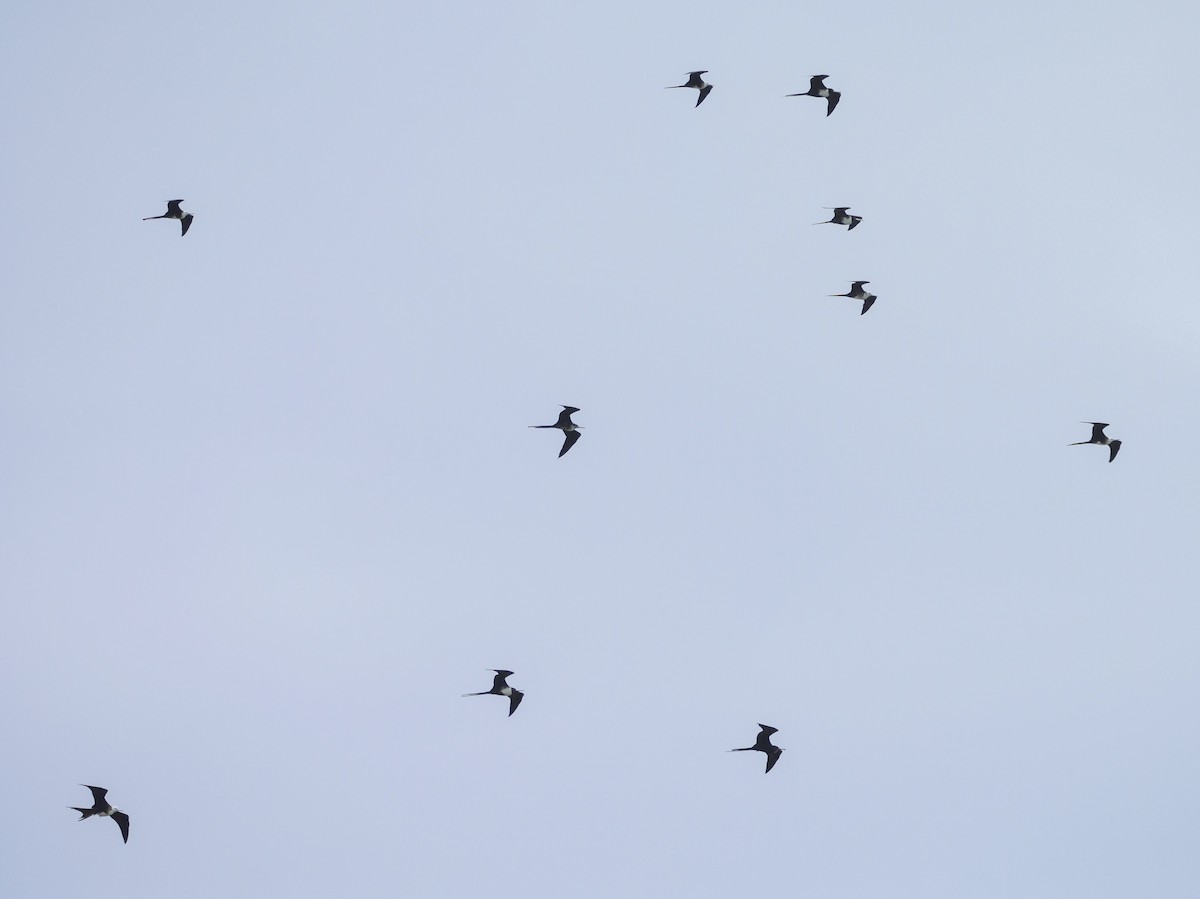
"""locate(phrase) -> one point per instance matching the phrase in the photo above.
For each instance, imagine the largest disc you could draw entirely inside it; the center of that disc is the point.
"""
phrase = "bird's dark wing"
(816, 82)
(564, 417)
(1098, 429)
(763, 743)
(834, 96)
(98, 794)
(187, 223)
(868, 303)
(704, 92)
(498, 683)
(773, 755)
(1113, 448)
(854, 220)
(858, 285)
(571, 437)
(173, 208)
(514, 700)
(839, 211)
(122, 820)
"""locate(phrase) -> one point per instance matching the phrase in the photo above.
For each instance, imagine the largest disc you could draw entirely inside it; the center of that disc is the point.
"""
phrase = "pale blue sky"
(269, 503)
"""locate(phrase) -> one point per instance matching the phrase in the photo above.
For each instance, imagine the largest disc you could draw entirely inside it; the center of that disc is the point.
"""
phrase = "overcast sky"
(269, 503)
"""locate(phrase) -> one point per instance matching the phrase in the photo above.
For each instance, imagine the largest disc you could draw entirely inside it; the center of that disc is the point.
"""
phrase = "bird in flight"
(817, 88)
(764, 744)
(1099, 437)
(500, 687)
(858, 292)
(841, 217)
(104, 809)
(569, 428)
(694, 80)
(174, 212)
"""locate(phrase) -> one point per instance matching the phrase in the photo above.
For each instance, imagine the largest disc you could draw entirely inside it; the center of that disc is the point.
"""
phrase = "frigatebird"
(694, 80)
(764, 744)
(817, 88)
(569, 428)
(500, 687)
(1099, 437)
(104, 809)
(174, 212)
(858, 292)
(841, 217)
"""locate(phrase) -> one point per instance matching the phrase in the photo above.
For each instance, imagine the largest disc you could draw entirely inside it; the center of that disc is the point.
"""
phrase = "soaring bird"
(1099, 437)
(764, 744)
(841, 217)
(174, 212)
(858, 292)
(817, 88)
(694, 80)
(569, 428)
(500, 687)
(104, 809)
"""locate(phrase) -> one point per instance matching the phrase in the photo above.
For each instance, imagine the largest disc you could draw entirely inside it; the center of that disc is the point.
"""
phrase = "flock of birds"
(102, 808)
(841, 214)
(858, 289)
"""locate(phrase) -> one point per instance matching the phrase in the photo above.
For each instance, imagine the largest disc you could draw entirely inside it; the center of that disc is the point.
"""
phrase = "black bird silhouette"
(569, 428)
(694, 80)
(174, 212)
(1098, 436)
(104, 809)
(817, 88)
(500, 687)
(858, 292)
(764, 744)
(841, 217)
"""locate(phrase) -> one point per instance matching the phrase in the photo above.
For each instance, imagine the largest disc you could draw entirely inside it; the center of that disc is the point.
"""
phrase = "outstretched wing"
(187, 223)
(834, 96)
(704, 92)
(1113, 448)
(98, 794)
(514, 701)
(773, 755)
(122, 820)
(868, 303)
(816, 82)
(173, 208)
(571, 437)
